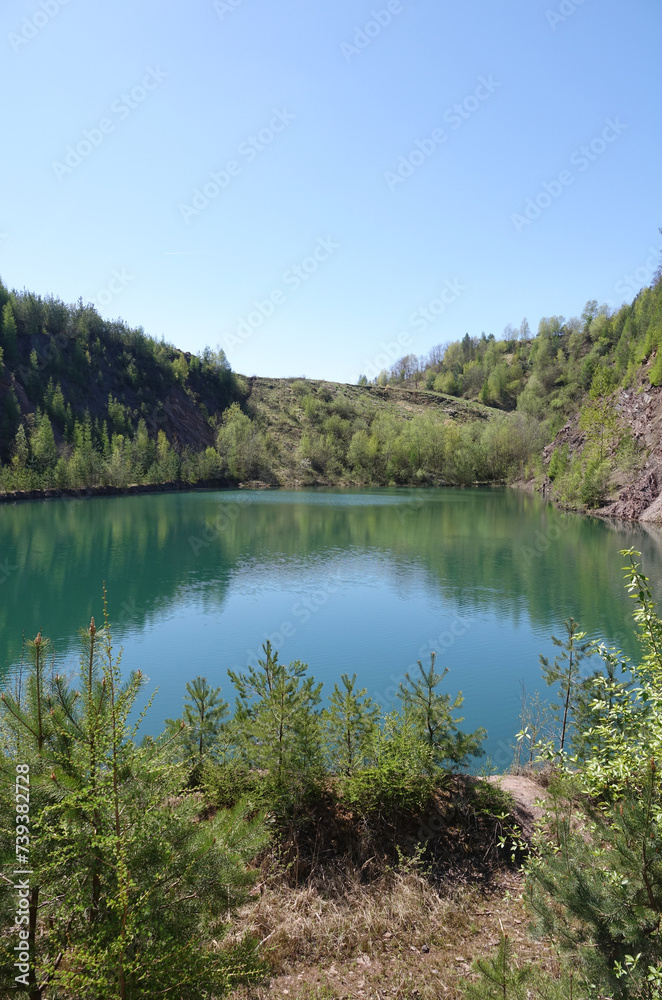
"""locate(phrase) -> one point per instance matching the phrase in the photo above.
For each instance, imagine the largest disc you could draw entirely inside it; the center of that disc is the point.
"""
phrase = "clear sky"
(370, 159)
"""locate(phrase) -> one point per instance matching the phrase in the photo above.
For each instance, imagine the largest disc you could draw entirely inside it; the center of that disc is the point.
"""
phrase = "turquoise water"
(365, 581)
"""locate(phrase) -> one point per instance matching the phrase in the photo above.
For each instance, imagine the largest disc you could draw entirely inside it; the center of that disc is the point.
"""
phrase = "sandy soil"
(526, 792)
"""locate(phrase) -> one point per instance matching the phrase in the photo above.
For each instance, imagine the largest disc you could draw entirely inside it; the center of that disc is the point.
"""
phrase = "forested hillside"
(593, 384)
(90, 402)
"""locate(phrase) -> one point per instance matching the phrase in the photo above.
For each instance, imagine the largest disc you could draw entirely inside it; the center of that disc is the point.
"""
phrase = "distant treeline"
(85, 401)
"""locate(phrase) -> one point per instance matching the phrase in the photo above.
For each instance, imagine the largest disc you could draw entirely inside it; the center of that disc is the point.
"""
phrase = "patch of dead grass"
(399, 937)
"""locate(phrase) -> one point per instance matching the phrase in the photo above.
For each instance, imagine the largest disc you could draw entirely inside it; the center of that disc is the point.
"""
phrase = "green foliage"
(44, 449)
(203, 720)
(558, 463)
(595, 484)
(434, 718)
(241, 445)
(500, 977)
(655, 374)
(599, 418)
(128, 892)
(595, 884)
(564, 672)
(69, 361)
(277, 730)
(398, 773)
(8, 335)
(348, 722)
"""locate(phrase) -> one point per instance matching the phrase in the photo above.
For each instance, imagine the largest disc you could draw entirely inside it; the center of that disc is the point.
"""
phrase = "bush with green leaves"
(595, 883)
(399, 772)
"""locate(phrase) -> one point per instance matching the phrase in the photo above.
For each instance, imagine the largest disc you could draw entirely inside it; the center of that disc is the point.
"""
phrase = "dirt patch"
(526, 794)
(404, 941)
(407, 931)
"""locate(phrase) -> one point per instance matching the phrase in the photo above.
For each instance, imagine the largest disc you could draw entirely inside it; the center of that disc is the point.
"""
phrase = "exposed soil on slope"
(638, 494)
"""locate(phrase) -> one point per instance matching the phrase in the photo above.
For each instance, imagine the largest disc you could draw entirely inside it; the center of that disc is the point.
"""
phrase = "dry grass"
(399, 937)
(365, 925)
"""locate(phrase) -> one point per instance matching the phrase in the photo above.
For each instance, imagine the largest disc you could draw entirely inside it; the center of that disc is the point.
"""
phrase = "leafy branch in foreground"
(595, 884)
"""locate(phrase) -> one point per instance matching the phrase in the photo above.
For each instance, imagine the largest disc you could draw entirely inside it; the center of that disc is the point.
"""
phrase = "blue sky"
(368, 158)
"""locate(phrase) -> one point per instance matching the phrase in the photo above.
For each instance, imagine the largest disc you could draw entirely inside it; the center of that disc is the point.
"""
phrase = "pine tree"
(9, 335)
(44, 449)
(596, 884)
(501, 978)
(434, 717)
(277, 729)
(398, 772)
(564, 671)
(128, 890)
(204, 717)
(21, 449)
(350, 718)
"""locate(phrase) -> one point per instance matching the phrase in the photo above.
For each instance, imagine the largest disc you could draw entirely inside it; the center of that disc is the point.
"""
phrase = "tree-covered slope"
(593, 383)
(90, 402)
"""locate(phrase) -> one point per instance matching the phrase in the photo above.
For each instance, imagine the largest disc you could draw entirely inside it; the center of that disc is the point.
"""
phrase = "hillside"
(88, 403)
(574, 411)
(593, 382)
(326, 432)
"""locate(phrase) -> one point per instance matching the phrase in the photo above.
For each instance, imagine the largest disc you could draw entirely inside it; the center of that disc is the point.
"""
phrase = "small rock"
(425, 949)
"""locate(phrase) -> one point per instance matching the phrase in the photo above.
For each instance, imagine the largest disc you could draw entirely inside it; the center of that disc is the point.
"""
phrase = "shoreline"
(178, 486)
(90, 492)
(137, 489)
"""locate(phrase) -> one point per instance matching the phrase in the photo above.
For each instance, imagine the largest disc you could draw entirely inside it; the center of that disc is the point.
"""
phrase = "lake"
(366, 581)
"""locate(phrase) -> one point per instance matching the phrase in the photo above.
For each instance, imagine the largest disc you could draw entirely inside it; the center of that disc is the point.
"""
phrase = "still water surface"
(365, 581)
